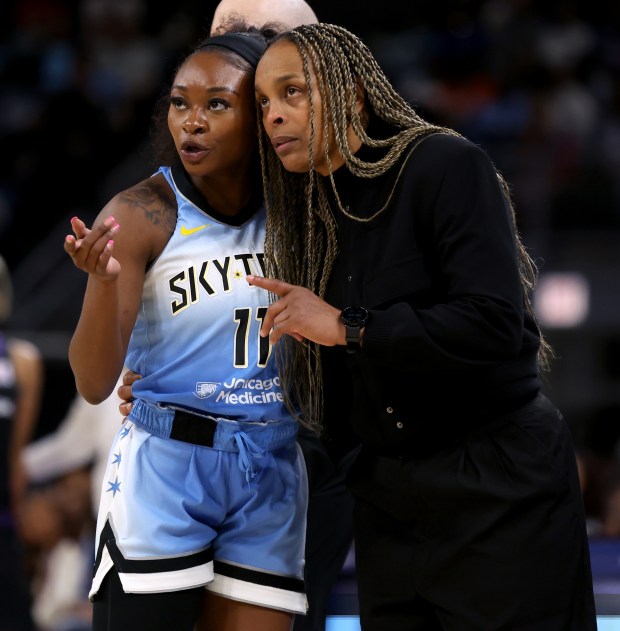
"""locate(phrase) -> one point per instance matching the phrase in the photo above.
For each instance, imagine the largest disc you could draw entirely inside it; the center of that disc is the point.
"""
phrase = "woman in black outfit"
(404, 296)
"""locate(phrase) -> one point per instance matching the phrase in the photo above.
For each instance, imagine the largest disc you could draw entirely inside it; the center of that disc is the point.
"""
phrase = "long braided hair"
(301, 242)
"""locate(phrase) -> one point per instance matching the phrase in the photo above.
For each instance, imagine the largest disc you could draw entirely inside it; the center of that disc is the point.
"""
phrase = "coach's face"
(286, 105)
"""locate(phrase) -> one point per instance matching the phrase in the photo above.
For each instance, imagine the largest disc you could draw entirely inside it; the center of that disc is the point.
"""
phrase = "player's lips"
(283, 143)
(193, 151)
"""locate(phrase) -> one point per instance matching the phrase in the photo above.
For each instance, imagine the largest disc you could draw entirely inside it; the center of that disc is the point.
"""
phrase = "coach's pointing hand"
(300, 314)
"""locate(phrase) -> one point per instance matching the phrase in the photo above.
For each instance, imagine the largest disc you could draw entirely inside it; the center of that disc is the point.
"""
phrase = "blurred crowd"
(537, 84)
(77, 84)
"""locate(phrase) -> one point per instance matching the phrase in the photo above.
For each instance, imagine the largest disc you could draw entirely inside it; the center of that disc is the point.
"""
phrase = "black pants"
(486, 535)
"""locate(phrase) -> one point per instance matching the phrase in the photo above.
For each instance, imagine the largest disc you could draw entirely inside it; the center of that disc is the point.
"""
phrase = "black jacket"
(448, 344)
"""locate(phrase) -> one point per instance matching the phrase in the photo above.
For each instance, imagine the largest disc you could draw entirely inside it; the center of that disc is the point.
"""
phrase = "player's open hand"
(300, 314)
(91, 250)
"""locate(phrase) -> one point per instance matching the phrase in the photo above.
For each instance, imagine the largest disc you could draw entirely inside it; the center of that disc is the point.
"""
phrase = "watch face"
(354, 316)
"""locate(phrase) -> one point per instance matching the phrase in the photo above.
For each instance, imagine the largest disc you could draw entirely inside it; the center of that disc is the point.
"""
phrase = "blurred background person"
(82, 439)
(57, 527)
(21, 383)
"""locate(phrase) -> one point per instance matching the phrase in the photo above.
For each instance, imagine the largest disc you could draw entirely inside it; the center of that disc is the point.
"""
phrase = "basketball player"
(205, 485)
(329, 530)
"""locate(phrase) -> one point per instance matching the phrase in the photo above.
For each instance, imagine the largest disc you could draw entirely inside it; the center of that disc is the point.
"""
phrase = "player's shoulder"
(152, 191)
(150, 201)
(146, 213)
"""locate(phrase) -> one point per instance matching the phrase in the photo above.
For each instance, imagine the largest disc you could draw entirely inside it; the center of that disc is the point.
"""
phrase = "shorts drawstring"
(248, 450)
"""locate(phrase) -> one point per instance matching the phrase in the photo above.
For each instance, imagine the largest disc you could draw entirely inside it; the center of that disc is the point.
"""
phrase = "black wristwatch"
(354, 319)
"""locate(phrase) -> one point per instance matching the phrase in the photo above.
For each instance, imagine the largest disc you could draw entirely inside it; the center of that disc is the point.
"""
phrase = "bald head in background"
(288, 13)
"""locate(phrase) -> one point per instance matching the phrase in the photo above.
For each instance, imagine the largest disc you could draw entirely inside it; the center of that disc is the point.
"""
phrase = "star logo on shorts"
(115, 487)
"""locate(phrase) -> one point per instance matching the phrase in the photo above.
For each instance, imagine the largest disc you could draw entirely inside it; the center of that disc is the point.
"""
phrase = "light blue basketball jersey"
(196, 341)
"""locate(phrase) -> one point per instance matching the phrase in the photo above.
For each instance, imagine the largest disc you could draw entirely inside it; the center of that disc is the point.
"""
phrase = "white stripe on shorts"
(263, 595)
(166, 581)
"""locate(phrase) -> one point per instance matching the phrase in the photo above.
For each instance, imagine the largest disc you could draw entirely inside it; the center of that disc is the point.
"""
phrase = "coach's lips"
(282, 143)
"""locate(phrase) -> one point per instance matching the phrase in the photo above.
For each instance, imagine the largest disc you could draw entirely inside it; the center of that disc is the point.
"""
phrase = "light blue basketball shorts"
(175, 515)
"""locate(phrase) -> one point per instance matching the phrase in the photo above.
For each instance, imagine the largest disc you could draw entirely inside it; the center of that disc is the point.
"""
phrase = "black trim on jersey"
(146, 566)
(257, 577)
(186, 186)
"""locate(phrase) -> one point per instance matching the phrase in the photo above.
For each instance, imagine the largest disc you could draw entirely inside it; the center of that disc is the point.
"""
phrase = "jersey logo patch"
(204, 389)
(187, 231)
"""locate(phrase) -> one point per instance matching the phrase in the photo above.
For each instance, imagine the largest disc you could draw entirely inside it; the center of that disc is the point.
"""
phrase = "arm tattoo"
(159, 209)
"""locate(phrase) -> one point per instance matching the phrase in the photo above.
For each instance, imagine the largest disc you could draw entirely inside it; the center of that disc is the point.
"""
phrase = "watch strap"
(354, 320)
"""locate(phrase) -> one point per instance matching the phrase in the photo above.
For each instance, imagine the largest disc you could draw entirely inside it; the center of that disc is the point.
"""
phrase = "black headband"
(246, 46)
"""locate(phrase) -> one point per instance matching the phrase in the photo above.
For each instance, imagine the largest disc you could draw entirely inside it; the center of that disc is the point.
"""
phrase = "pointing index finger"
(278, 287)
